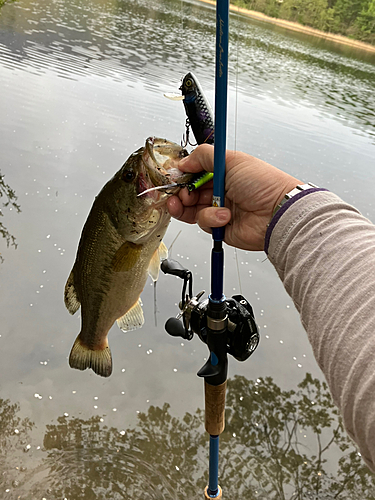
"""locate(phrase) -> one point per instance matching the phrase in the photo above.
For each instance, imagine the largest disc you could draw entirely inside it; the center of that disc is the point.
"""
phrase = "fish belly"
(122, 292)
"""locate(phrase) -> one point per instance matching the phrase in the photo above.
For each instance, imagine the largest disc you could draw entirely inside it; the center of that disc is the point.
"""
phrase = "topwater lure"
(200, 119)
(198, 111)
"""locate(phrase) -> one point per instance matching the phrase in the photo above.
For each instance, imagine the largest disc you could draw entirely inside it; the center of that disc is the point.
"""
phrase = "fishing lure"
(200, 119)
(198, 111)
(197, 181)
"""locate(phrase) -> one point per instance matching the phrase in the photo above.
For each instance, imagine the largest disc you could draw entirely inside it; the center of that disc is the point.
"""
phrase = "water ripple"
(156, 42)
(70, 474)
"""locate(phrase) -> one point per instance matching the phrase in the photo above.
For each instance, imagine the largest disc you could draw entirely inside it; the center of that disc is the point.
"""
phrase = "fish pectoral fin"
(160, 254)
(126, 256)
(163, 251)
(99, 360)
(132, 319)
(70, 295)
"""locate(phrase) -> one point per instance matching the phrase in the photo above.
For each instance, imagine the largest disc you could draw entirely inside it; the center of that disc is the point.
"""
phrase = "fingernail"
(222, 215)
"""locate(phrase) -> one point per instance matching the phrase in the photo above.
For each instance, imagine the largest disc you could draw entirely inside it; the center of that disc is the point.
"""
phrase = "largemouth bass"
(121, 243)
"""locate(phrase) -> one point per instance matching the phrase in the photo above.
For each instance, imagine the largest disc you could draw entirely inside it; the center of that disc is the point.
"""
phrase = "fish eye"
(188, 83)
(128, 175)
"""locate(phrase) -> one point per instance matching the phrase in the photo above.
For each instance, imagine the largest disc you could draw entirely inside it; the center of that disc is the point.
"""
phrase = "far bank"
(290, 25)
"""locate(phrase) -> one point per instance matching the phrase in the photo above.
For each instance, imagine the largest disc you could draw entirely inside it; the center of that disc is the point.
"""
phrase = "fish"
(120, 245)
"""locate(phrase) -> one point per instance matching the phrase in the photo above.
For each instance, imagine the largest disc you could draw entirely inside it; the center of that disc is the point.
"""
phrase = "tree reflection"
(277, 445)
(156, 460)
(11, 198)
(14, 436)
(288, 443)
(12, 425)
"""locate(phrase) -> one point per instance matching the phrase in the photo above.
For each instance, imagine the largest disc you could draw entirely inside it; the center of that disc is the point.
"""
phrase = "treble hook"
(185, 138)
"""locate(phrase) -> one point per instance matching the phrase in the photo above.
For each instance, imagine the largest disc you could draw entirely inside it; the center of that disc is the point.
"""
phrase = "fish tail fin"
(99, 360)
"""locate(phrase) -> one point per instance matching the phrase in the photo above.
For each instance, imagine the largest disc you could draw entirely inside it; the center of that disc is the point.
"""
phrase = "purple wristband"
(283, 209)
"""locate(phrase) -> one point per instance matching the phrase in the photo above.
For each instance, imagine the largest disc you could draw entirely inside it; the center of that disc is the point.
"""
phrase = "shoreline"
(300, 28)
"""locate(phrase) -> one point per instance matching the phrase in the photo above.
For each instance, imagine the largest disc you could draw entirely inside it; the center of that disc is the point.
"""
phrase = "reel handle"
(170, 266)
(175, 328)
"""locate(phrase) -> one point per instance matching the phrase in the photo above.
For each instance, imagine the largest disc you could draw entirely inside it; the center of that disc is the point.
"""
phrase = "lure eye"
(128, 175)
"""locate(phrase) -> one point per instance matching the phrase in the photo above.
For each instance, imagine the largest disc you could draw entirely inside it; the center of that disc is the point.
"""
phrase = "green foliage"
(307, 12)
(268, 7)
(3, 2)
(347, 11)
(366, 22)
(353, 18)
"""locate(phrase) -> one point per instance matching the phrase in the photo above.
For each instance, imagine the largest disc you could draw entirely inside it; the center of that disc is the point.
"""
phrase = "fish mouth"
(160, 158)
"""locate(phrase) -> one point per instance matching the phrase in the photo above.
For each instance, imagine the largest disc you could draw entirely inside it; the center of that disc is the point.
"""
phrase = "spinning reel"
(241, 335)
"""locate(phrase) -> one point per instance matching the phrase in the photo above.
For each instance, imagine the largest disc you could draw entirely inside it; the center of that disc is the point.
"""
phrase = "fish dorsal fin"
(70, 295)
(160, 253)
(132, 319)
(126, 256)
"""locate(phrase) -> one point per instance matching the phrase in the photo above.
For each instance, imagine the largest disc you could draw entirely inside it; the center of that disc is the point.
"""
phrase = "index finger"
(202, 158)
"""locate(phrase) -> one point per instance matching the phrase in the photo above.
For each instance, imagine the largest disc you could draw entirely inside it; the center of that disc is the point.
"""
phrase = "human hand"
(253, 189)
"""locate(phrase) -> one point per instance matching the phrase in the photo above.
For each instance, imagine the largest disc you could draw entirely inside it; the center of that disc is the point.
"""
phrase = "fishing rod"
(227, 326)
(216, 368)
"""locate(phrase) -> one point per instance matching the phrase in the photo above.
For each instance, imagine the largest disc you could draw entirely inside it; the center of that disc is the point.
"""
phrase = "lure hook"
(186, 136)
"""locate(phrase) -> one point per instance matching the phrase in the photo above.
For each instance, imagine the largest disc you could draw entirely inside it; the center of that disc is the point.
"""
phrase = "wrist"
(293, 192)
(287, 185)
(292, 197)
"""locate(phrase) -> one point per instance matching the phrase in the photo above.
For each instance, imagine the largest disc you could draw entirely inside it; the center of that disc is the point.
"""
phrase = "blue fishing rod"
(227, 326)
(216, 368)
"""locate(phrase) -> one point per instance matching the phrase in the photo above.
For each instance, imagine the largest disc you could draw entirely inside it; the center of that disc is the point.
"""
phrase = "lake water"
(82, 87)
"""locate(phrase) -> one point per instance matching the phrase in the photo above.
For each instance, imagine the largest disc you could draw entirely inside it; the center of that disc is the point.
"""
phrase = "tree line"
(351, 18)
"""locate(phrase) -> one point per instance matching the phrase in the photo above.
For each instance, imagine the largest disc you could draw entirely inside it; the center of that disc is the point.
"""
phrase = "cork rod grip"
(215, 408)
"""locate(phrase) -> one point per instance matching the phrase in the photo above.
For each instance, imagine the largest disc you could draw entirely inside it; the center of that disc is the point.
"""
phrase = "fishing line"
(236, 99)
(155, 306)
(235, 142)
(182, 25)
(238, 269)
(173, 242)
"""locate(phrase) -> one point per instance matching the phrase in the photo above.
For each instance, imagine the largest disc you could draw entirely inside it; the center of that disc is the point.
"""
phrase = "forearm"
(324, 252)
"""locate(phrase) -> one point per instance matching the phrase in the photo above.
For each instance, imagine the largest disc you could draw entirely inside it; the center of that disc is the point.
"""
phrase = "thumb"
(213, 217)
(202, 158)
